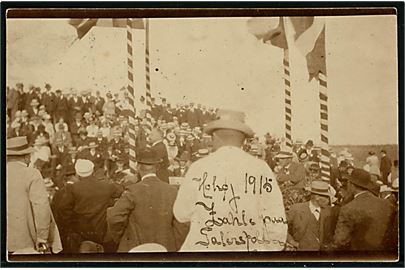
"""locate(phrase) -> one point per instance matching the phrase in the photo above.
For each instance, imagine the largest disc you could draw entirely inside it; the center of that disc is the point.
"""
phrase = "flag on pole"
(310, 40)
(268, 30)
(83, 26)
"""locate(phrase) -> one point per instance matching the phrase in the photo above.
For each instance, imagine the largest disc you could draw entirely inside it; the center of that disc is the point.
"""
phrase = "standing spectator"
(290, 173)
(99, 102)
(308, 222)
(363, 222)
(48, 99)
(61, 106)
(230, 168)
(385, 166)
(12, 102)
(156, 140)
(30, 224)
(144, 213)
(373, 163)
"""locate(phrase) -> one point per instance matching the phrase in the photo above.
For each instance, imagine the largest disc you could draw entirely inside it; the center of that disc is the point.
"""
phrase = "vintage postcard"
(196, 136)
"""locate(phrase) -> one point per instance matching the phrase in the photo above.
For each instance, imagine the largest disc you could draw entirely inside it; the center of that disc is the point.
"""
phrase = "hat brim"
(282, 156)
(368, 186)
(149, 162)
(226, 124)
(326, 194)
(26, 151)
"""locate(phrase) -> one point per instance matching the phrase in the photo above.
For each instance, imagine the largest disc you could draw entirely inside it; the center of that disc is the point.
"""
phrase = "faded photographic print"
(273, 134)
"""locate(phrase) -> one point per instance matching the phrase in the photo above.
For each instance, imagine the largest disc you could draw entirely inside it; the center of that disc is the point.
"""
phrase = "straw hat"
(284, 155)
(202, 153)
(229, 120)
(320, 188)
(18, 146)
(34, 102)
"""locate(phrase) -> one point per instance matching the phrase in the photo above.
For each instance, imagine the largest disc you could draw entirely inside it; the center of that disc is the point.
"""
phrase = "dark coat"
(48, 100)
(61, 109)
(299, 229)
(192, 118)
(84, 207)
(97, 158)
(162, 171)
(144, 214)
(296, 175)
(363, 223)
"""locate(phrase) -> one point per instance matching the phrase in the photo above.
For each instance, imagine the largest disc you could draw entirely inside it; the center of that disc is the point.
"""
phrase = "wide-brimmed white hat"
(227, 119)
(84, 167)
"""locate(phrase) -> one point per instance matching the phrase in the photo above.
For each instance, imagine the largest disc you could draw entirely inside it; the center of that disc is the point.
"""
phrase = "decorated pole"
(131, 96)
(287, 100)
(148, 94)
(323, 97)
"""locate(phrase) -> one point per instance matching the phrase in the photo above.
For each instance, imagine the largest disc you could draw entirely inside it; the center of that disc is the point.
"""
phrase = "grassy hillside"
(360, 152)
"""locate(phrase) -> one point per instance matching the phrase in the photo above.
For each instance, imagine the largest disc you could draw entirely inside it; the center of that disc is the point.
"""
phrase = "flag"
(267, 30)
(310, 40)
(83, 26)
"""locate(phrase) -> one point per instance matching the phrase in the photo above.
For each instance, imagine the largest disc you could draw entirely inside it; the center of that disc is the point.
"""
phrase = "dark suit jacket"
(144, 214)
(362, 223)
(61, 109)
(385, 165)
(84, 207)
(298, 227)
(48, 100)
(296, 175)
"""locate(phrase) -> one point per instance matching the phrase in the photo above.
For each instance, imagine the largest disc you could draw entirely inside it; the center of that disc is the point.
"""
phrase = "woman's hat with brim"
(227, 119)
(18, 146)
(148, 156)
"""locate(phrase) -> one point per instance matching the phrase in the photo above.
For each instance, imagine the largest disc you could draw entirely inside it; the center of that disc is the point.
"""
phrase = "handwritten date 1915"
(257, 185)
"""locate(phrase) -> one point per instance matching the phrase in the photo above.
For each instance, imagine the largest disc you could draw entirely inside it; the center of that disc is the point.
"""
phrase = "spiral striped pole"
(287, 100)
(148, 94)
(131, 96)
(323, 97)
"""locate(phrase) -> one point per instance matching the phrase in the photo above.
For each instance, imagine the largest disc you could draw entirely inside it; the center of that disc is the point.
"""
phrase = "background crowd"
(80, 134)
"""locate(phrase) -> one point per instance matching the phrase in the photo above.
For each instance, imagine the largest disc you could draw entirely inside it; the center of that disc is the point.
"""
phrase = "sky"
(215, 61)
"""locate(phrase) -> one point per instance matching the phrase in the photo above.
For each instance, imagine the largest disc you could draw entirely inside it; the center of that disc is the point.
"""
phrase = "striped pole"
(323, 97)
(287, 100)
(148, 94)
(131, 96)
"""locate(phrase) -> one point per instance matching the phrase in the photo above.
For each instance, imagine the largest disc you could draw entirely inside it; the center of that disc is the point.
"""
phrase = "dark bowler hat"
(18, 146)
(148, 156)
(361, 178)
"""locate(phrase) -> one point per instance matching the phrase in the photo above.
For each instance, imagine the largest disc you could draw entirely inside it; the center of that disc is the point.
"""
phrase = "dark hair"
(383, 151)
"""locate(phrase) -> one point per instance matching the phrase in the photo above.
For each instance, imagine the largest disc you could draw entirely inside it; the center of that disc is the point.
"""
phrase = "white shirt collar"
(155, 143)
(315, 210)
(148, 175)
(358, 194)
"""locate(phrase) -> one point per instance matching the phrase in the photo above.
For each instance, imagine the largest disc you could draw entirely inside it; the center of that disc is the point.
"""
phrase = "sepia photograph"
(196, 136)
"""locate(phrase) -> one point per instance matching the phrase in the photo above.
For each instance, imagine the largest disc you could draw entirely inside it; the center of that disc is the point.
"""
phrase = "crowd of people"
(71, 152)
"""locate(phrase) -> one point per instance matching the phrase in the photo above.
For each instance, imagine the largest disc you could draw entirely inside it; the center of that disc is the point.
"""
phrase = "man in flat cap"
(231, 198)
(144, 212)
(30, 224)
(363, 223)
(85, 204)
